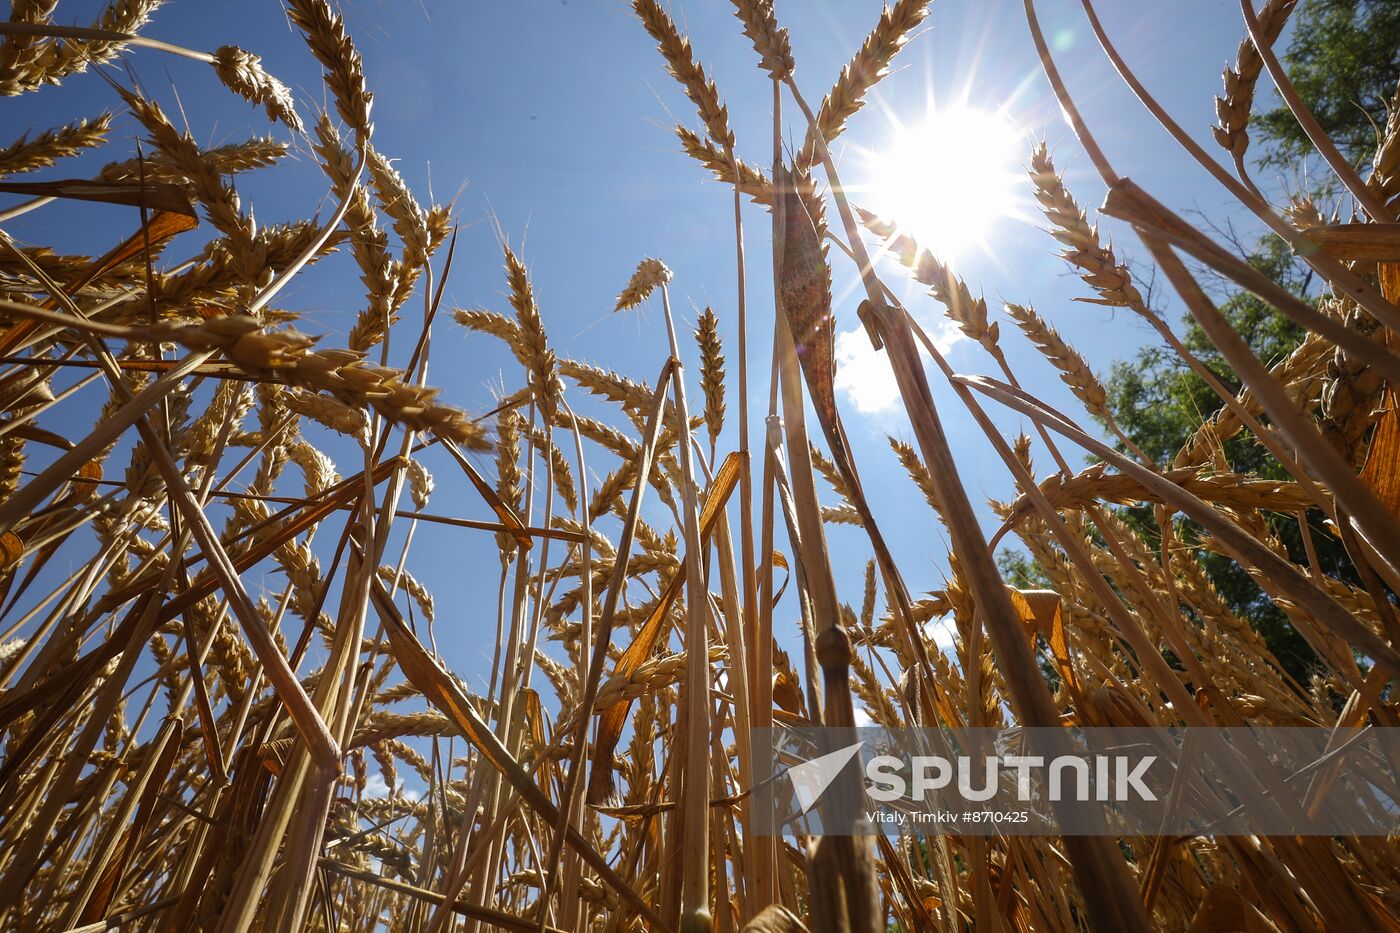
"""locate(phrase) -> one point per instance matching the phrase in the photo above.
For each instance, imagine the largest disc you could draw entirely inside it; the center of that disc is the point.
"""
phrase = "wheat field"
(173, 759)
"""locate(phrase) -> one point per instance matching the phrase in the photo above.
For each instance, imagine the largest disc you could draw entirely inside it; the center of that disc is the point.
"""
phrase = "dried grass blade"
(143, 791)
(1382, 471)
(160, 228)
(442, 691)
(504, 512)
(1097, 865)
(497, 918)
(155, 196)
(613, 718)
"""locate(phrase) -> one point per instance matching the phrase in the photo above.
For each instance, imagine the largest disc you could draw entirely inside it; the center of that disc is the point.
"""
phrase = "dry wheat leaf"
(155, 196)
(805, 290)
(1357, 242)
(32, 433)
(1381, 474)
(161, 227)
(503, 511)
(1042, 612)
(612, 719)
(775, 918)
(442, 690)
(11, 550)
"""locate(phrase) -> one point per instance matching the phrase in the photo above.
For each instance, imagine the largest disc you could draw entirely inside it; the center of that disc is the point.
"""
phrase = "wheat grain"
(1095, 484)
(1099, 268)
(559, 464)
(50, 62)
(1352, 392)
(870, 64)
(1233, 109)
(18, 52)
(534, 352)
(1303, 213)
(318, 468)
(1385, 164)
(509, 479)
(220, 201)
(410, 223)
(242, 73)
(651, 677)
(26, 155)
(342, 373)
(1074, 371)
(729, 169)
(650, 274)
(909, 459)
(378, 271)
(968, 312)
(258, 152)
(325, 36)
(711, 372)
(414, 588)
(680, 61)
(634, 397)
(770, 41)
(328, 411)
(420, 484)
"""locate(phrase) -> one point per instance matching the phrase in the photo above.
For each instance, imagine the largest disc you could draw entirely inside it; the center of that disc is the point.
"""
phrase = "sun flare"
(946, 180)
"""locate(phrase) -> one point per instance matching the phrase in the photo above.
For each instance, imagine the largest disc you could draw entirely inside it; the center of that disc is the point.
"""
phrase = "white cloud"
(942, 632)
(375, 786)
(864, 375)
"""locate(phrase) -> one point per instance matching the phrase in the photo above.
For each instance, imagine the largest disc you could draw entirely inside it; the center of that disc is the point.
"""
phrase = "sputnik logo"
(812, 778)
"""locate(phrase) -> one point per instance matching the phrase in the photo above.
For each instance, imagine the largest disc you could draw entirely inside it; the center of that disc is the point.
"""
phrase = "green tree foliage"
(1159, 403)
(1343, 57)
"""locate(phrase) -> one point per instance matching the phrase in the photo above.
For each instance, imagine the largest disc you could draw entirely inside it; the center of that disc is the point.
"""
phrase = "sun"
(946, 180)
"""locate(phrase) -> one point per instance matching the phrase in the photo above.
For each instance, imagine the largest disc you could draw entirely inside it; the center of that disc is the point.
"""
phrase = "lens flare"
(947, 180)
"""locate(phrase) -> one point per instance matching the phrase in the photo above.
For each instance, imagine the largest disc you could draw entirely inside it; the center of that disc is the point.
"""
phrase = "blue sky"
(549, 120)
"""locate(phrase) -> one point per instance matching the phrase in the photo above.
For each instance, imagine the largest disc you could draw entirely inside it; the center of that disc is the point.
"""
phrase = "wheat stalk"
(152, 774)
